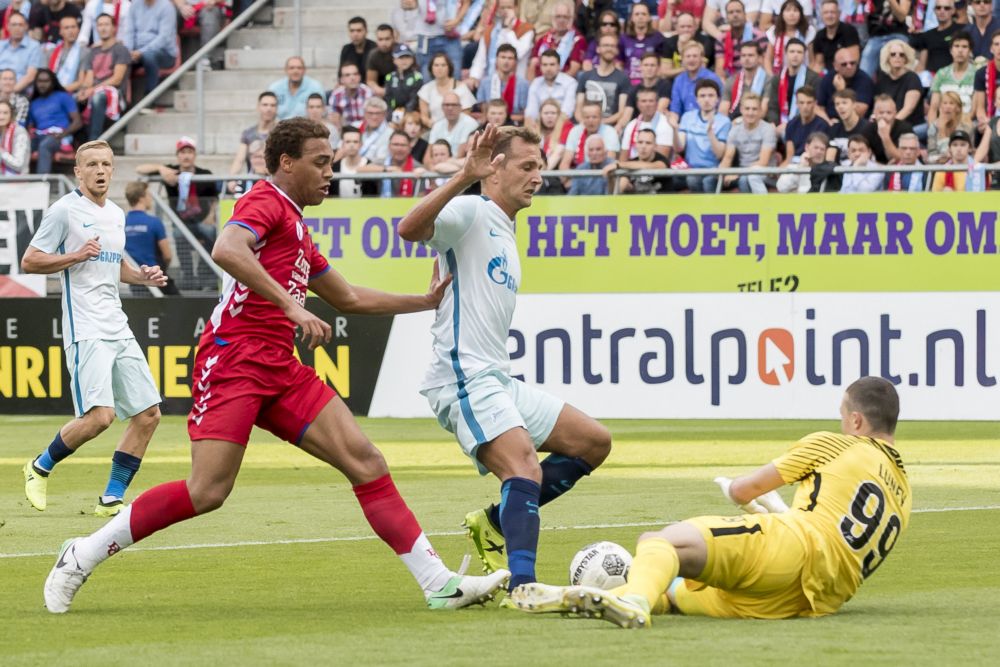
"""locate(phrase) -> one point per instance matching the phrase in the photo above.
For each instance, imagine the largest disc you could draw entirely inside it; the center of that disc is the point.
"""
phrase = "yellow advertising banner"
(699, 243)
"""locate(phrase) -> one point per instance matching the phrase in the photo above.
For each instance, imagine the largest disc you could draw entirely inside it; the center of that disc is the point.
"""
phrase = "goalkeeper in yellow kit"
(851, 505)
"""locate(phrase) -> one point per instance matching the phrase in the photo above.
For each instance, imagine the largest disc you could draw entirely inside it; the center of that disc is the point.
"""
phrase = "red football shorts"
(238, 385)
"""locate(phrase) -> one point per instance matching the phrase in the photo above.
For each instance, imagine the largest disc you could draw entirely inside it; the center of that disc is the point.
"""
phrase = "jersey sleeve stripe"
(244, 226)
(314, 276)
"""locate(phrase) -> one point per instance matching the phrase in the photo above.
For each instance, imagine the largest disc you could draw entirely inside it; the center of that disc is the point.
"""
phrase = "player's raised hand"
(89, 250)
(314, 330)
(438, 285)
(153, 275)
(479, 161)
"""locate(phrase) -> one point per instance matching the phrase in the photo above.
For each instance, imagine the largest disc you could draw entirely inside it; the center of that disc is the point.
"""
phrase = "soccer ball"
(601, 565)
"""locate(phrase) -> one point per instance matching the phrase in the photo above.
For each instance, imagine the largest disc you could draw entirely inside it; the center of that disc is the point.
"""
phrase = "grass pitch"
(288, 572)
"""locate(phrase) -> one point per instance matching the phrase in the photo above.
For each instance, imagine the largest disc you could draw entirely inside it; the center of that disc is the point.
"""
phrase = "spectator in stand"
(674, 47)
(46, 16)
(15, 145)
(608, 24)
(650, 71)
(375, 131)
(886, 130)
(146, 239)
(590, 124)
(605, 84)
(348, 100)
(985, 88)
(8, 82)
(646, 157)
(859, 154)
(752, 143)
(780, 98)
(950, 119)
(267, 114)
(66, 58)
(736, 32)
(506, 29)
(411, 125)
(597, 158)
(316, 112)
(53, 119)
(959, 76)
(538, 13)
(150, 35)
(554, 127)
(105, 72)
(358, 47)
(791, 23)
(294, 89)
(381, 61)
(886, 21)
(975, 178)
(647, 117)
(405, 19)
(813, 156)
(432, 93)
(505, 84)
(993, 141)
(750, 77)
(351, 162)
(258, 167)
(563, 38)
(845, 76)
(402, 86)
(639, 39)
(849, 124)
(193, 202)
(834, 36)
(701, 136)
(438, 32)
(934, 45)
(207, 16)
(802, 125)
(20, 52)
(909, 155)
(440, 161)
(495, 114)
(399, 161)
(711, 15)
(116, 9)
(456, 126)
(553, 84)
(981, 27)
(683, 95)
(897, 79)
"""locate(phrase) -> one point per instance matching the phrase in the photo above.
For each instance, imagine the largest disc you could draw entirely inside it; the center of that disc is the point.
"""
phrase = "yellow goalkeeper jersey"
(852, 504)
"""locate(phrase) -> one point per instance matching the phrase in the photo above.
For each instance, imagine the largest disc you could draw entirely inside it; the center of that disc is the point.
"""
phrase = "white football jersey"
(475, 239)
(92, 307)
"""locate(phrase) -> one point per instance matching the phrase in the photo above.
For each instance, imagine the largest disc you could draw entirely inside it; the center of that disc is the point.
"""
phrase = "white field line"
(448, 533)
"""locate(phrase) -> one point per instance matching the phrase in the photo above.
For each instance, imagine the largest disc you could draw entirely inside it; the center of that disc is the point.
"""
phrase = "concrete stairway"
(254, 58)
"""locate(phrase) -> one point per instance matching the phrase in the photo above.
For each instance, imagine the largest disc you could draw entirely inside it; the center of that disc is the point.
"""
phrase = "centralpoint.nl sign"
(693, 243)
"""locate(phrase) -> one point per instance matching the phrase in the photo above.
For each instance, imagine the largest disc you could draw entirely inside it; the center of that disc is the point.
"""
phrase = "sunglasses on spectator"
(979, 2)
(899, 54)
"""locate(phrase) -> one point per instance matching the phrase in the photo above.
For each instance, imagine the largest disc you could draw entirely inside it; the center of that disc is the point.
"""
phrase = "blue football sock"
(519, 521)
(56, 452)
(559, 474)
(123, 468)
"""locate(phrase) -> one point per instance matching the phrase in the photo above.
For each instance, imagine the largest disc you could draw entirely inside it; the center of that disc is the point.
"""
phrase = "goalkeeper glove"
(768, 503)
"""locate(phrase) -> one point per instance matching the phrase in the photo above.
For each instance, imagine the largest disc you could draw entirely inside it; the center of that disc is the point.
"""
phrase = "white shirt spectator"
(429, 93)
(861, 182)
(562, 89)
(576, 138)
(456, 136)
(659, 125)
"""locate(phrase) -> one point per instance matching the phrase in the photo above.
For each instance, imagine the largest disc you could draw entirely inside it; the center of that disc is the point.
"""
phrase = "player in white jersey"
(500, 422)
(82, 237)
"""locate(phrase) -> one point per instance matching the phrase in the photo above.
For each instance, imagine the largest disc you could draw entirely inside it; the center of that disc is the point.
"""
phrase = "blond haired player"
(852, 504)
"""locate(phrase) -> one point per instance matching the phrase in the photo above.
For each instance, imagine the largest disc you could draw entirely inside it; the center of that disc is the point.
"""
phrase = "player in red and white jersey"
(245, 374)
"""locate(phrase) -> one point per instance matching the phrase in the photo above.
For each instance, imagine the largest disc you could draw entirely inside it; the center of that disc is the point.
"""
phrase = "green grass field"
(288, 573)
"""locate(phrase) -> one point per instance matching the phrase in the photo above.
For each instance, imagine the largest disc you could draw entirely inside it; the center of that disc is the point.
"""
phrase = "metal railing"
(242, 19)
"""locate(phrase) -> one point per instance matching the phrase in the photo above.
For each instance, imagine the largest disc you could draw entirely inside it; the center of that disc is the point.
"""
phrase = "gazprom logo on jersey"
(108, 257)
(712, 354)
(498, 273)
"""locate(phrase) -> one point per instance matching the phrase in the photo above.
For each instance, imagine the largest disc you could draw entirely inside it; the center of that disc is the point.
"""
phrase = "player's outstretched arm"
(755, 492)
(348, 298)
(143, 275)
(39, 261)
(418, 225)
(233, 251)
